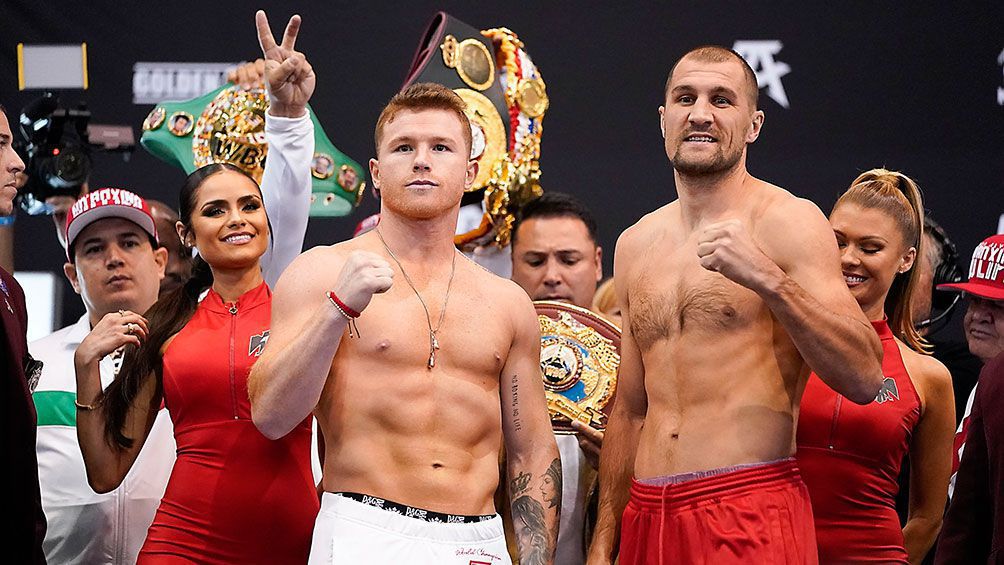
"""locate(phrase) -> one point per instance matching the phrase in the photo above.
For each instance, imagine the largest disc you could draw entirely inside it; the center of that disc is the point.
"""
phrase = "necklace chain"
(433, 340)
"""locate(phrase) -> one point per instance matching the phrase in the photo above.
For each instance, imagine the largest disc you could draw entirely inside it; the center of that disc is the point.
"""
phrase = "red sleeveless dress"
(850, 457)
(234, 495)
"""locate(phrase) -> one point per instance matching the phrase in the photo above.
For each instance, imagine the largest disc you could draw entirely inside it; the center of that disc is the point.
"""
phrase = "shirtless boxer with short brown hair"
(415, 384)
(729, 294)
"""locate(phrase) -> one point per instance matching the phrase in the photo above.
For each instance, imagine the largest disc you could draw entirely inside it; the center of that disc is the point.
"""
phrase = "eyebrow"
(714, 90)
(411, 139)
(222, 202)
(530, 252)
(122, 234)
(864, 238)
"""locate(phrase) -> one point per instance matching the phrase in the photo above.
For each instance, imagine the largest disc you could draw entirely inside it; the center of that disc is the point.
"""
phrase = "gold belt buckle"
(579, 358)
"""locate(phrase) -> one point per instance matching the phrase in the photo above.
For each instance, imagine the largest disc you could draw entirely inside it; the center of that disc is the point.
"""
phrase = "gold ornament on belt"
(232, 129)
(487, 132)
(471, 59)
(515, 180)
(578, 361)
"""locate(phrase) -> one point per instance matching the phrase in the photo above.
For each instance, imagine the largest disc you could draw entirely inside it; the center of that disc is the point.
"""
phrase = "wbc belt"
(228, 125)
(579, 358)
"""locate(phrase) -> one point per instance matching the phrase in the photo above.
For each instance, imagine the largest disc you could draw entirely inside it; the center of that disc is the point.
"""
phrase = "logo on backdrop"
(153, 83)
(760, 56)
(1000, 89)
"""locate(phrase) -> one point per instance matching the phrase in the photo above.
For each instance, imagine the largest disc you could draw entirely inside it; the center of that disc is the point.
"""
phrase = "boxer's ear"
(755, 126)
(375, 173)
(662, 121)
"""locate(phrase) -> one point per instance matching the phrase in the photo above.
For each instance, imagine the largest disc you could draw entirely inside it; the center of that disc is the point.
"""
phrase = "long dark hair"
(165, 318)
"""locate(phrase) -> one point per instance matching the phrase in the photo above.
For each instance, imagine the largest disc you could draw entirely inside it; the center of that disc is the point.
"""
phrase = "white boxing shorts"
(354, 528)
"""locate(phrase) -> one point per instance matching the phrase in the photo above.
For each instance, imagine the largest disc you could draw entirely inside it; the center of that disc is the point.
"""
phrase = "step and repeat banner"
(845, 88)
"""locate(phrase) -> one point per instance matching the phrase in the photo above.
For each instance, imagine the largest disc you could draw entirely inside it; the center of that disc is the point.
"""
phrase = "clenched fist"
(363, 275)
(728, 248)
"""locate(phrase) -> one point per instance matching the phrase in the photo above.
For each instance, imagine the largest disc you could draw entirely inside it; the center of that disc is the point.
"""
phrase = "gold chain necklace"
(433, 340)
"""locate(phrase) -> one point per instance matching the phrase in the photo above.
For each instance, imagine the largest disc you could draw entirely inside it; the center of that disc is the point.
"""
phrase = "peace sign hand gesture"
(289, 78)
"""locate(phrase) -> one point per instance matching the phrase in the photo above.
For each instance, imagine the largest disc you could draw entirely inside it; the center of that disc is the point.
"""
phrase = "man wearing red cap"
(974, 527)
(115, 264)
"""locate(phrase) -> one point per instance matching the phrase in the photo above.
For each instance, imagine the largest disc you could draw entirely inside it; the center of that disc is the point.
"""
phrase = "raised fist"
(728, 248)
(363, 275)
(289, 78)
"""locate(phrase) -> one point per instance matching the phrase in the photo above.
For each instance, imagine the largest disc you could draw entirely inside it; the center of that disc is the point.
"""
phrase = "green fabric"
(328, 198)
(55, 408)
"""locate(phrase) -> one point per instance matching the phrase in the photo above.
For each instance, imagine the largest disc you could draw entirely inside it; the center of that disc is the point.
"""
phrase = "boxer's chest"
(672, 295)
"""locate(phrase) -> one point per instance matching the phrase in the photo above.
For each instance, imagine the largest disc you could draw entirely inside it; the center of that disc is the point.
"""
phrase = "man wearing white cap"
(974, 527)
(115, 264)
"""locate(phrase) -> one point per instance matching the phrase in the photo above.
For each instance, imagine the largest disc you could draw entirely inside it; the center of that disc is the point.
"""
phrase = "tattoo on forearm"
(551, 487)
(535, 532)
(531, 531)
(519, 485)
(516, 423)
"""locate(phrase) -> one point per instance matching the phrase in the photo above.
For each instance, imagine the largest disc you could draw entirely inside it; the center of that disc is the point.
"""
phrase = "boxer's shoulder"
(648, 228)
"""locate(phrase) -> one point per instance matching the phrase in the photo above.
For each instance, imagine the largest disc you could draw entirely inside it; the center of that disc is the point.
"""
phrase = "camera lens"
(70, 166)
(67, 168)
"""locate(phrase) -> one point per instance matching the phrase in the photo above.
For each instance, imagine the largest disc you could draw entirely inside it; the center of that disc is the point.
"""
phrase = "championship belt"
(506, 100)
(228, 125)
(579, 357)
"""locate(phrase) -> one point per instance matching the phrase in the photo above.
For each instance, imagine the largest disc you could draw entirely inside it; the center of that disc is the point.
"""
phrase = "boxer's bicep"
(812, 259)
(521, 387)
(297, 295)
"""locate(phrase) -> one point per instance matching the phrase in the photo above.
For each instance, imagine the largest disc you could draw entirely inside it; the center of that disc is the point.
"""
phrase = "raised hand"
(289, 78)
(363, 275)
(112, 332)
(728, 248)
(249, 74)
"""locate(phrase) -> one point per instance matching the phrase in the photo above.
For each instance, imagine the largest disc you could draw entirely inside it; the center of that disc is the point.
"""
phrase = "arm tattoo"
(516, 423)
(531, 531)
(529, 516)
(552, 485)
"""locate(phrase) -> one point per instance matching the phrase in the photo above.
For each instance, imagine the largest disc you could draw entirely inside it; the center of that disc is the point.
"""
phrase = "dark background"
(907, 86)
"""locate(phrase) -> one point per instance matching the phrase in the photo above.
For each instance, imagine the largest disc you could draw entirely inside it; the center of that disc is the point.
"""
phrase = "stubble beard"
(719, 163)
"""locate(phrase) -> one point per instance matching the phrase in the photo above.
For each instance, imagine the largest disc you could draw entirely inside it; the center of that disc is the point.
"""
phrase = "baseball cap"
(107, 203)
(986, 270)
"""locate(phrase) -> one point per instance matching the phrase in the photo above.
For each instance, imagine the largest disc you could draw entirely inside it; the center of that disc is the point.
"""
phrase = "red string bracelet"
(344, 310)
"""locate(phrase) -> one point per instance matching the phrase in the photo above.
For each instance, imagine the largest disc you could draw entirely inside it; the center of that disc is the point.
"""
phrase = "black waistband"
(411, 511)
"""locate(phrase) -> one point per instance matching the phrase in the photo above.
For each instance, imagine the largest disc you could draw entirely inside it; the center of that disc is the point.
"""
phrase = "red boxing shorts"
(756, 514)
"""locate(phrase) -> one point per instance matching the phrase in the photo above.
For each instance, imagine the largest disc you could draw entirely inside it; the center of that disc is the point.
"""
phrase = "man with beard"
(729, 295)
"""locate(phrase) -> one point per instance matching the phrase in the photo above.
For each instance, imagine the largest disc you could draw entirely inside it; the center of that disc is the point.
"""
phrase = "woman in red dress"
(234, 496)
(850, 455)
